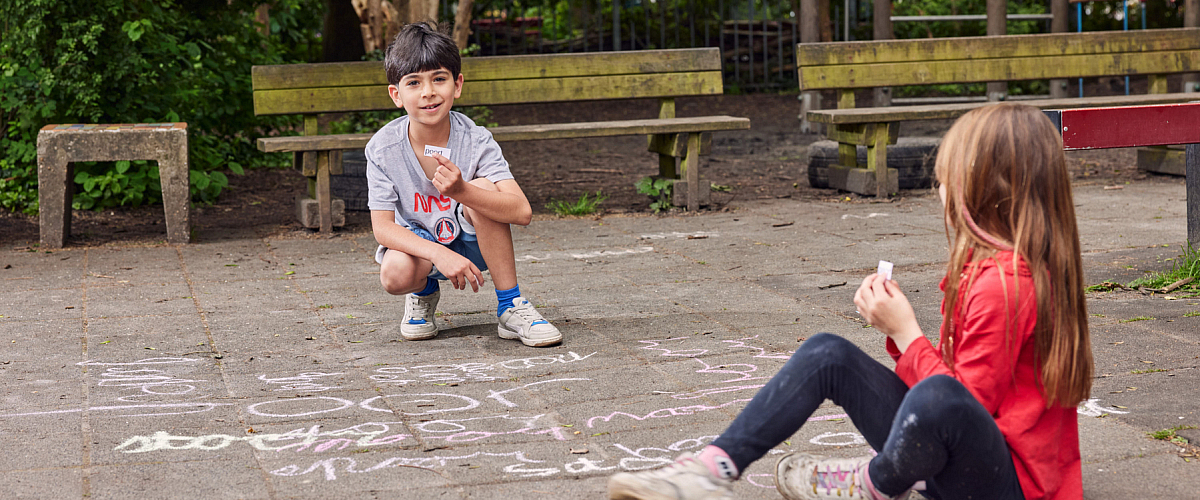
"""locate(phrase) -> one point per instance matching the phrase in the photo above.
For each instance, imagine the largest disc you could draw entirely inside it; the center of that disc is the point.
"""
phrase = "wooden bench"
(855, 65)
(313, 89)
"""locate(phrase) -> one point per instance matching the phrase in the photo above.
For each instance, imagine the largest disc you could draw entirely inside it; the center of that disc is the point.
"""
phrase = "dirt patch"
(768, 161)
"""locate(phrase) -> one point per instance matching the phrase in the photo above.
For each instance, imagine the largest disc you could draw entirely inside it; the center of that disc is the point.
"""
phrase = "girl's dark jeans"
(935, 432)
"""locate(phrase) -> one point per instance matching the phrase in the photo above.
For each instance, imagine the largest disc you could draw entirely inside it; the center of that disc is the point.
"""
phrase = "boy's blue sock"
(505, 298)
(431, 285)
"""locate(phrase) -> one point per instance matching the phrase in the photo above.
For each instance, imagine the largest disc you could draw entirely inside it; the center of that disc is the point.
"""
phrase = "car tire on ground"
(351, 184)
(911, 156)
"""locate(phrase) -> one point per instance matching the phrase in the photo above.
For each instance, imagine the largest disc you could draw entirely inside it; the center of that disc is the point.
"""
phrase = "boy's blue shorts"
(466, 245)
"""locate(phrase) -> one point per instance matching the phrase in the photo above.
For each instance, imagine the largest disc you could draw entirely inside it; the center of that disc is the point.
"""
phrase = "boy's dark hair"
(419, 47)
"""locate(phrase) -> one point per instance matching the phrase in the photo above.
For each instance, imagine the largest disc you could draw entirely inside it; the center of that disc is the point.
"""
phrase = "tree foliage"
(128, 61)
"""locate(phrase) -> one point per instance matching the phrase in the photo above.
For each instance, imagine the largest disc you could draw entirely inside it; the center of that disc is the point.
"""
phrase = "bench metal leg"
(56, 188)
(1193, 195)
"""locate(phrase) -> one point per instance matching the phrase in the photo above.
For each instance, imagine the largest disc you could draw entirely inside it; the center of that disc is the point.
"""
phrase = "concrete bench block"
(1163, 160)
(308, 212)
(860, 180)
(61, 145)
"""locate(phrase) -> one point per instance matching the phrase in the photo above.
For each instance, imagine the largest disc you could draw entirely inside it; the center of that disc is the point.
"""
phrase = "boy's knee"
(398, 282)
(472, 216)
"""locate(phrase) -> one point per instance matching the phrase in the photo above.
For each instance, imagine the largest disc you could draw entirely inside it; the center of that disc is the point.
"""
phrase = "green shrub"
(658, 189)
(128, 61)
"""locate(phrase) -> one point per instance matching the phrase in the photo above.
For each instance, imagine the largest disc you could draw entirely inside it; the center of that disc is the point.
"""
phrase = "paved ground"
(272, 368)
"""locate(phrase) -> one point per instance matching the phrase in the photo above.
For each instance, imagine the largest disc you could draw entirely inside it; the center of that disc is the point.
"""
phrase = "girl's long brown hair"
(1007, 187)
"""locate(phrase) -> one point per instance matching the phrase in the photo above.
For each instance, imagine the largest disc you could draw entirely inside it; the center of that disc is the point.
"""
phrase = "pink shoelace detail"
(838, 475)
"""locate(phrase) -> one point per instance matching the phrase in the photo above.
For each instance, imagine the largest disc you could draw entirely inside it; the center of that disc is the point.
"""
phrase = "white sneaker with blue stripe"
(522, 321)
(418, 323)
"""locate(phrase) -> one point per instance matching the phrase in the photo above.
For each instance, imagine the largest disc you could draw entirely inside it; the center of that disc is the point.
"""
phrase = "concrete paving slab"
(664, 339)
(42, 483)
(145, 480)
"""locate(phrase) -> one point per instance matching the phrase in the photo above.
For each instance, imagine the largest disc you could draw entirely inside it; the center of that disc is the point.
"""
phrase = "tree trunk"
(462, 23)
(825, 19)
(882, 30)
(1191, 19)
(423, 10)
(1061, 10)
(997, 25)
(341, 37)
(810, 32)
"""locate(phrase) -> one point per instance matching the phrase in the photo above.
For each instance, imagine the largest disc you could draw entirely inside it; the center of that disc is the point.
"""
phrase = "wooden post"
(883, 31)
(997, 25)
(1191, 19)
(1061, 10)
(1193, 194)
(692, 173)
(810, 32)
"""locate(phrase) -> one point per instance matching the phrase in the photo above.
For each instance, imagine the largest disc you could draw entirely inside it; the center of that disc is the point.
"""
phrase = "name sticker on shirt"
(430, 150)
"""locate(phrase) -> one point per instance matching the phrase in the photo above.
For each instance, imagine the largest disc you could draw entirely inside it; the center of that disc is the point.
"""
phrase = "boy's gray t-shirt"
(396, 182)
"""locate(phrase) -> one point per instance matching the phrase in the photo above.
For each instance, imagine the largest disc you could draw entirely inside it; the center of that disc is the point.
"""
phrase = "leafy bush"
(128, 61)
(658, 189)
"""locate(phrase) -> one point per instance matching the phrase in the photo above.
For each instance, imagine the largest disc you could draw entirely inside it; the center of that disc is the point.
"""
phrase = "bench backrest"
(848, 65)
(362, 86)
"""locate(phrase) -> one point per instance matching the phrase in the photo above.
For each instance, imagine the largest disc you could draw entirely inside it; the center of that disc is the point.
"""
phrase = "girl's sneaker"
(686, 479)
(418, 323)
(800, 476)
(522, 321)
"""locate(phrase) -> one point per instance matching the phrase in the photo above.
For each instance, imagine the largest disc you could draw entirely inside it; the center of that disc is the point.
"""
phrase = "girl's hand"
(458, 269)
(885, 307)
(448, 179)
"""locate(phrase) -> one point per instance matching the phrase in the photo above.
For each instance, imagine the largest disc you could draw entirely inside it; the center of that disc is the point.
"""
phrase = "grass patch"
(1106, 286)
(585, 205)
(1169, 434)
(1138, 318)
(1183, 267)
(1151, 370)
(1191, 314)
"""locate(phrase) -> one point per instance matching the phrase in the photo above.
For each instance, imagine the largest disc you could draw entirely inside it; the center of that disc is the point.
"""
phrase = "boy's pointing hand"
(448, 178)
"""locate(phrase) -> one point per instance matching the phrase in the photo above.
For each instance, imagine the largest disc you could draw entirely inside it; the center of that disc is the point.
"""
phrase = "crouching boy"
(442, 197)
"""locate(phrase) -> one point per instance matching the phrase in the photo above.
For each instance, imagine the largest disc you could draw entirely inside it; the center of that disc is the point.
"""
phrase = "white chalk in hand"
(885, 268)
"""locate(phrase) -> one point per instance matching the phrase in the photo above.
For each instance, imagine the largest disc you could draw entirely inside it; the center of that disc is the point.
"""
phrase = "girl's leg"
(825, 366)
(942, 434)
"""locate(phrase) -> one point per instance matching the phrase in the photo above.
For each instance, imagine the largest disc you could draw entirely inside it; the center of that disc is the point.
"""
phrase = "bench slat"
(1000, 69)
(527, 132)
(943, 49)
(375, 97)
(944, 111)
(476, 69)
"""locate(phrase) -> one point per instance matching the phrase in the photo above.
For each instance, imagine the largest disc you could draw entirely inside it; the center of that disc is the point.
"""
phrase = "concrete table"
(60, 145)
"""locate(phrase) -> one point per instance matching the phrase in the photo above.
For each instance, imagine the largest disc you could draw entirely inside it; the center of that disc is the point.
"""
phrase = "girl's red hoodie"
(998, 365)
